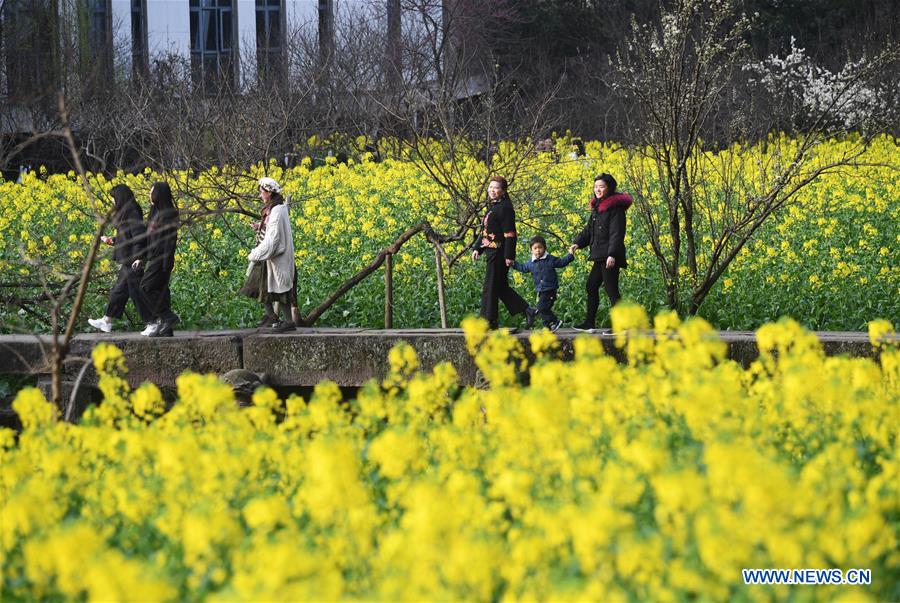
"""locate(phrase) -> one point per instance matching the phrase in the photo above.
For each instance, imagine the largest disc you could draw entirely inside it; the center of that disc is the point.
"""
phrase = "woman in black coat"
(604, 234)
(128, 245)
(498, 245)
(159, 258)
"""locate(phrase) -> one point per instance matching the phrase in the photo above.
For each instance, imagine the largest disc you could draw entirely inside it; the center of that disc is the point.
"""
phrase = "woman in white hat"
(271, 276)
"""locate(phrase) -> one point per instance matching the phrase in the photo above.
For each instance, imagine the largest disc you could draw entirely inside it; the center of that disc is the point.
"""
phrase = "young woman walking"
(159, 261)
(498, 245)
(271, 275)
(129, 244)
(604, 234)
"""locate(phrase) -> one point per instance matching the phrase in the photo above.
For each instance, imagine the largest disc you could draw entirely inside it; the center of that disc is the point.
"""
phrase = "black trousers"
(496, 287)
(609, 278)
(545, 302)
(128, 285)
(155, 288)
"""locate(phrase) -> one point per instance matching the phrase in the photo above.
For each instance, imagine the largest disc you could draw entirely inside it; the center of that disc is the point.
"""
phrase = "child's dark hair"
(537, 239)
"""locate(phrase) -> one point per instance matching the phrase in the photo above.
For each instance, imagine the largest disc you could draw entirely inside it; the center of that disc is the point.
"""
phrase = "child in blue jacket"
(543, 270)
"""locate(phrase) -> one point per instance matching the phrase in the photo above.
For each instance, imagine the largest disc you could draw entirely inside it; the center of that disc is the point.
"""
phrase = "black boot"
(530, 315)
(166, 326)
(283, 326)
(165, 330)
(267, 320)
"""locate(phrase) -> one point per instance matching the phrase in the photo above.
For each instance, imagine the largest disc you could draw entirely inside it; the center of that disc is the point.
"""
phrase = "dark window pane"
(225, 17)
(274, 28)
(195, 30)
(261, 29)
(211, 32)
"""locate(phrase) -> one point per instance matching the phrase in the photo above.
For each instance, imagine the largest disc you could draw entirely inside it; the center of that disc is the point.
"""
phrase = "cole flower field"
(659, 479)
(826, 261)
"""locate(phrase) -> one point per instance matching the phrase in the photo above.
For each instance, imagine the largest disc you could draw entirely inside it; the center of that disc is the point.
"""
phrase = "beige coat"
(277, 250)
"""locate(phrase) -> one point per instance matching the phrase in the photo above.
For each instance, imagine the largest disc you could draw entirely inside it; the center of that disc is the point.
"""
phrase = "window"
(269, 40)
(212, 27)
(31, 47)
(139, 56)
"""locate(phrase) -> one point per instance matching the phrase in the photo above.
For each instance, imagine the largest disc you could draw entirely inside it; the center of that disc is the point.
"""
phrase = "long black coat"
(160, 256)
(605, 233)
(131, 237)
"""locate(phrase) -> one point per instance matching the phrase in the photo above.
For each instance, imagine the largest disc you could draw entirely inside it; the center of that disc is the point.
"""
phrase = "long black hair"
(610, 183)
(125, 206)
(610, 188)
(163, 212)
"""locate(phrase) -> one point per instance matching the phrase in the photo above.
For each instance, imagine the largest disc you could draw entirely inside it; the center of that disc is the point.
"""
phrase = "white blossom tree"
(691, 84)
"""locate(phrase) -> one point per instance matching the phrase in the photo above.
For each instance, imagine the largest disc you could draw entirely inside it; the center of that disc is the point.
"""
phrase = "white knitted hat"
(269, 184)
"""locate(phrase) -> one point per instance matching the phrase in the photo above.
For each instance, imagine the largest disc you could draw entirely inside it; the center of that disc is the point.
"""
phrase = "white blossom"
(820, 91)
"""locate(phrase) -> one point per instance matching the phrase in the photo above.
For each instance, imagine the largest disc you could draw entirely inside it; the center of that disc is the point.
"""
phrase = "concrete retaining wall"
(303, 358)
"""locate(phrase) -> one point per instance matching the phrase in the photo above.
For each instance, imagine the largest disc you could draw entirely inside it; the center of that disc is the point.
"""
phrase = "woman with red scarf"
(604, 234)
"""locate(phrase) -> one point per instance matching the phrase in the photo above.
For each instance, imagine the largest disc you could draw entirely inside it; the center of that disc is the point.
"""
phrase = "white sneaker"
(151, 329)
(103, 324)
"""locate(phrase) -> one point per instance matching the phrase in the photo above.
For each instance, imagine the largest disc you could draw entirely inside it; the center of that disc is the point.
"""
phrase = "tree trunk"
(58, 356)
(388, 291)
(673, 276)
(440, 285)
(687, 206)
(690, 239)
(672, 292)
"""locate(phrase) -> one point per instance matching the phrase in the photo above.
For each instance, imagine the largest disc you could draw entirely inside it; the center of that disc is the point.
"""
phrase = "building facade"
(223, 40)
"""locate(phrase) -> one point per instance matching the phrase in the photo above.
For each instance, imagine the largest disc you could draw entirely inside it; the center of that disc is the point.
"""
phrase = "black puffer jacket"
(605, 230)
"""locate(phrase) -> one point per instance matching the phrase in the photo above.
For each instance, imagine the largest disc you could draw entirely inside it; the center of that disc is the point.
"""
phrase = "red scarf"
(612, 201)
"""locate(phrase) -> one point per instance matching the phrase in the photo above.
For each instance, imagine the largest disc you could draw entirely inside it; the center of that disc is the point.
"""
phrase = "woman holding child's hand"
(604, 235)
(498, 244)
